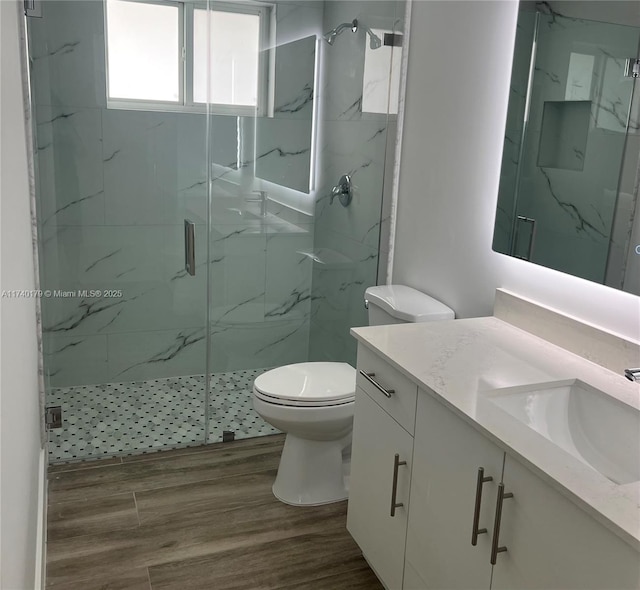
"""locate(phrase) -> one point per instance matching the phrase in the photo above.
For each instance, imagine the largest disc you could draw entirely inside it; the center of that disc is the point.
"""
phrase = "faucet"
(632, 374)
(262, 199)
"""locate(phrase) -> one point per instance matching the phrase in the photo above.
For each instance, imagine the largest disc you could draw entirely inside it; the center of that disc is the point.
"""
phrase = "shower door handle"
(519, 220)
(190, 247)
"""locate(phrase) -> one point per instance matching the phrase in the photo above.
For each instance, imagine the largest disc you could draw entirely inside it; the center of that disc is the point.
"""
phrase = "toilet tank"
(399, 304)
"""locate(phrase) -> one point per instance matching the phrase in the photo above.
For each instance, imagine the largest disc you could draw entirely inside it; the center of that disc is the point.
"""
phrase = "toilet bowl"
(314, 403)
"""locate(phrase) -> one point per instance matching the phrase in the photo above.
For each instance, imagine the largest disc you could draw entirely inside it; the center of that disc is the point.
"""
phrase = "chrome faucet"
(262, 199)
(632, 374)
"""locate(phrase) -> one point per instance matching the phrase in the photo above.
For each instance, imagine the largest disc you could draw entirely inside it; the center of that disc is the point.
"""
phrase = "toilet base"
(311, 472)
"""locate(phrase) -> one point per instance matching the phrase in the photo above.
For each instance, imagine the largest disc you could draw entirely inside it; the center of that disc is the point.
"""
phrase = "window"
(157, 55)
(144, 51)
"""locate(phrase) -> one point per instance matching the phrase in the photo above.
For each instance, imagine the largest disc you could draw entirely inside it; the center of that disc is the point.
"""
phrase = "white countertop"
(458, 360)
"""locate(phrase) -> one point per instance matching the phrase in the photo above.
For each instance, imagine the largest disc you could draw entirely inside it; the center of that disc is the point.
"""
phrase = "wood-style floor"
(201, 518)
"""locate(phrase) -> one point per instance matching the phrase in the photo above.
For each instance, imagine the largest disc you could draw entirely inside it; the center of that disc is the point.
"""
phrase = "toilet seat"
(318, 384)
(301, 404)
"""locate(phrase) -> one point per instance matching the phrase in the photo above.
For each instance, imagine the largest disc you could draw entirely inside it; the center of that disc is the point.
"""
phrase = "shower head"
(330, 37)
(374, 41)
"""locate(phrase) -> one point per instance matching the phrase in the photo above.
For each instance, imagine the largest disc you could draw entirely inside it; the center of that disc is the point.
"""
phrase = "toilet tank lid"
(408, 304)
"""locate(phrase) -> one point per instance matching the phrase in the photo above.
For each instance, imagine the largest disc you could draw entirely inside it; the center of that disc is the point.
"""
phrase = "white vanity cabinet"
(448, 488)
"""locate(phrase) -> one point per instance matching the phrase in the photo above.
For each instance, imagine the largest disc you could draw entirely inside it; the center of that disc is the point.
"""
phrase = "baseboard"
(41, 539)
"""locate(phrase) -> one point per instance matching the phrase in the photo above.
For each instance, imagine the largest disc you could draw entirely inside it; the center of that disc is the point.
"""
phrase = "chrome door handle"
(189, 247)
(370, 378)
(394, 488)
(495, 548)
(476, 511)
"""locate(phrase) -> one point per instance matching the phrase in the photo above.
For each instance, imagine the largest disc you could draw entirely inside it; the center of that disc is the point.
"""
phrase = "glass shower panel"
(359, 95)
(123, 321)
(289, 265)
(260, 272)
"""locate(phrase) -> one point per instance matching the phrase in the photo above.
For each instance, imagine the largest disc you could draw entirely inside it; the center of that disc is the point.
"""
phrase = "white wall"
(19, 429)
(457, 91)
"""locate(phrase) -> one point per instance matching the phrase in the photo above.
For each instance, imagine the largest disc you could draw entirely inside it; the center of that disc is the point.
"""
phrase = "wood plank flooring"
(191, 519)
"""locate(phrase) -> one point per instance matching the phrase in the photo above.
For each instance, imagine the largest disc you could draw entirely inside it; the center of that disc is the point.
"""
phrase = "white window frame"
(185, 101)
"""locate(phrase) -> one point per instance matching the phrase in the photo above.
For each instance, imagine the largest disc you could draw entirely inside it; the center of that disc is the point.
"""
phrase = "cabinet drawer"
(399, 401)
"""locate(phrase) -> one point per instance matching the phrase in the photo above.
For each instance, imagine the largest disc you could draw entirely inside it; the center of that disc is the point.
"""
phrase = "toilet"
(313, 404)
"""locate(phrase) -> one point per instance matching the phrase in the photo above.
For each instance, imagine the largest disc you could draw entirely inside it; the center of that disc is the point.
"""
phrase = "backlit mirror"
(570, 167)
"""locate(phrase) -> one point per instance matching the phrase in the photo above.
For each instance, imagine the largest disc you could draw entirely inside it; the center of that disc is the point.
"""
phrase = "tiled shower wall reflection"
(571, 179)
(573, 198)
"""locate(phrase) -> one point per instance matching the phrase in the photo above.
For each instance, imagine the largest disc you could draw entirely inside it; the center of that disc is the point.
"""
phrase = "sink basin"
(592, 426)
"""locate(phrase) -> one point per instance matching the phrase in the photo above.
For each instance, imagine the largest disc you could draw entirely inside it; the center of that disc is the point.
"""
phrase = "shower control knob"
(343, 190)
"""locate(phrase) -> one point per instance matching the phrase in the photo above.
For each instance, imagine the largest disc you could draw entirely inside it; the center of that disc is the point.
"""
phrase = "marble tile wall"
(260, 291)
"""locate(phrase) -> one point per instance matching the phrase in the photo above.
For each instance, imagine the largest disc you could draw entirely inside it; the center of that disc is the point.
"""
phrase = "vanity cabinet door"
(552, 544)
(448, 453)
(377, 439)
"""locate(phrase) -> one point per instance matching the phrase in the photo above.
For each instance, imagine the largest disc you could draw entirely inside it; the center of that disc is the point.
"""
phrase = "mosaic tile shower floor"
(137, 417)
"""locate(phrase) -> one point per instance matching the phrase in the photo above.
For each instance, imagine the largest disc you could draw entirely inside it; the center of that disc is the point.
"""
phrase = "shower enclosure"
(189, 238)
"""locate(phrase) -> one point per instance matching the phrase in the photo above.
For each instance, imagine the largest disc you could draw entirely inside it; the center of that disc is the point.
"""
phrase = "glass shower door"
(120, 167)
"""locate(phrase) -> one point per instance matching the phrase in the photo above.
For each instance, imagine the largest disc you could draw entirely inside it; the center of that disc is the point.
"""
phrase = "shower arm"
(374, 41)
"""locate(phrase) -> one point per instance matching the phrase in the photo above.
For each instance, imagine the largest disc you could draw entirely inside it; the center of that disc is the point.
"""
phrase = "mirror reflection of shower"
(374, 41)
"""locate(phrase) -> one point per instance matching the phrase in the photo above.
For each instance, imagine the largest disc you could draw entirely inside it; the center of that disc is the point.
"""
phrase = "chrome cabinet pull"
(495, 549)
(189, 247)
(476, 511)
(369, 378)
(394, 488)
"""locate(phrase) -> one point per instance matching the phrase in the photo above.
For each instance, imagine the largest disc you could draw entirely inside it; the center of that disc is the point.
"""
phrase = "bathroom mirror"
(284, 137)
(570, 166)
